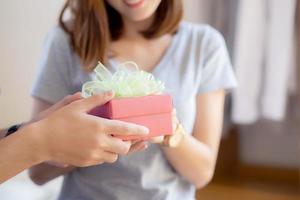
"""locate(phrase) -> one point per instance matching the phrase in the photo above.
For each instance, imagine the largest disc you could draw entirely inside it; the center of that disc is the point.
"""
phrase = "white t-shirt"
(196, 62)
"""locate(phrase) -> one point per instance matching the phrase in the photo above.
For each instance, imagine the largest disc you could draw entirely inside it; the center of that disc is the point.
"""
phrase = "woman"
(53, 139)
(191, 59)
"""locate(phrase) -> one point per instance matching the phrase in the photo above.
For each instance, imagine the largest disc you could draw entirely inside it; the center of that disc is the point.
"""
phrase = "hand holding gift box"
(138, 99)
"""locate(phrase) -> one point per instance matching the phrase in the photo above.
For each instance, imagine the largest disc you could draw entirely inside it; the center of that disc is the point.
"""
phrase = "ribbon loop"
(127, 81)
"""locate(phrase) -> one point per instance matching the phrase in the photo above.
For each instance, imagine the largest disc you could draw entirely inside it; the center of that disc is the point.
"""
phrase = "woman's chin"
(138, 17)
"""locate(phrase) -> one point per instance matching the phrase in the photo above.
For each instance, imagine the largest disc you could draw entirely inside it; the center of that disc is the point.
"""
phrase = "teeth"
(132, 1)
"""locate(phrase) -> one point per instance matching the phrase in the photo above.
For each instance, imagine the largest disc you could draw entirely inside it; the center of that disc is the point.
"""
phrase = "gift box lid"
(134, 106)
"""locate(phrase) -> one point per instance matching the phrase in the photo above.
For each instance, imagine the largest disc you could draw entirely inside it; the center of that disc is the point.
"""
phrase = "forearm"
(18, 152)
(193, 160)
(44, 172)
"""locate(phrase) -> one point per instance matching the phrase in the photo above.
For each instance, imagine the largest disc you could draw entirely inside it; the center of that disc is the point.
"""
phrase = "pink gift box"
(153, 112)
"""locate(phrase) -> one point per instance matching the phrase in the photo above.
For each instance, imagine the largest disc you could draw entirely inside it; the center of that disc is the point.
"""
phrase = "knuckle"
(96, 127)
(113, 158)
(125, 148)
(88, 156)
(100, 141)
(126, 128)
(95, 144)
(102, 145)
(100, 127)
(92, 143)
(95, 156)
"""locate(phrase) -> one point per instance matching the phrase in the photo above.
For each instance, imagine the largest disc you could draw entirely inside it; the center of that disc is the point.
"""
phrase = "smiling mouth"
(135, 4)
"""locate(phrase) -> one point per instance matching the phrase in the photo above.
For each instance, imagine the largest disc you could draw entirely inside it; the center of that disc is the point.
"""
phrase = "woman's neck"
(133, 28)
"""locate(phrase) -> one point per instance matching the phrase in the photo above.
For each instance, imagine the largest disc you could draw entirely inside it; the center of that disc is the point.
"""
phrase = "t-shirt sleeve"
(216, 68)
(52, 81)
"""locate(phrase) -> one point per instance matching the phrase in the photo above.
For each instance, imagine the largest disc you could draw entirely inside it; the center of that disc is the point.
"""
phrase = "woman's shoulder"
(58, 36)
(200, 33)
(189, 26)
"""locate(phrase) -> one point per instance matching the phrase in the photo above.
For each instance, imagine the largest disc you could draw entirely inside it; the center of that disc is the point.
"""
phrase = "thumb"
(65, 101)
(89, 103)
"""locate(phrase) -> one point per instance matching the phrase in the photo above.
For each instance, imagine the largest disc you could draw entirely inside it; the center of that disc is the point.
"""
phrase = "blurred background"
(259, 156)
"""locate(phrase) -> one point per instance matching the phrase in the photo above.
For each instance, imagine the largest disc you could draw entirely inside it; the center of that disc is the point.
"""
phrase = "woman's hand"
(70, 135)
(138, 145)
(170, 140)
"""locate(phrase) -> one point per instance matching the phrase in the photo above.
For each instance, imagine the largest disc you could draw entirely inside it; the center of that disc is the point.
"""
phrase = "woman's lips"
(134, 4)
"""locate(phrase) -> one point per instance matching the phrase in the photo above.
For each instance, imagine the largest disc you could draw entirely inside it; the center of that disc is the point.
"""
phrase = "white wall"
(23, 27)
(24, 24)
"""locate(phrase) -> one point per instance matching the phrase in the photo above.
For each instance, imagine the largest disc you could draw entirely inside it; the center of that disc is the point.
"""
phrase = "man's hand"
(65, 101)
(70, 135)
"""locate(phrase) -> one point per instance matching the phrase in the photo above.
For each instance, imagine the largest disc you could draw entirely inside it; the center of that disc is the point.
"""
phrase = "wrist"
(2, 133)
(176, 138)
(36, 140)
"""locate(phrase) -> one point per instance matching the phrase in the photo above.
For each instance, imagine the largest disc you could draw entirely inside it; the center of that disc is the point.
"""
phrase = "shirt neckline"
(162, 62)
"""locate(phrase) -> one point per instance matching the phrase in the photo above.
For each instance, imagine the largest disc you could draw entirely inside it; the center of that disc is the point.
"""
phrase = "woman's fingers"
(139, 146)
(135, 141)
(157, 140)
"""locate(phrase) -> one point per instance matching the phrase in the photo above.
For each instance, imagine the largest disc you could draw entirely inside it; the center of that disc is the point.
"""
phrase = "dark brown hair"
(94, 23)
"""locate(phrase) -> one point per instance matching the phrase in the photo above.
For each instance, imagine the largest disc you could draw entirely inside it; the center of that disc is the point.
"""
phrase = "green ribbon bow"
(127, 81)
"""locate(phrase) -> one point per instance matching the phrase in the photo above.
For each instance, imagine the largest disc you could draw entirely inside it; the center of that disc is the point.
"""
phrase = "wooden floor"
(248, 190)
(236, 181)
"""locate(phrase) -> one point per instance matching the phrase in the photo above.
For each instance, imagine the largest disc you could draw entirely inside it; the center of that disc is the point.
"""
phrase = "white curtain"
(260, 36)
(263, 59)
